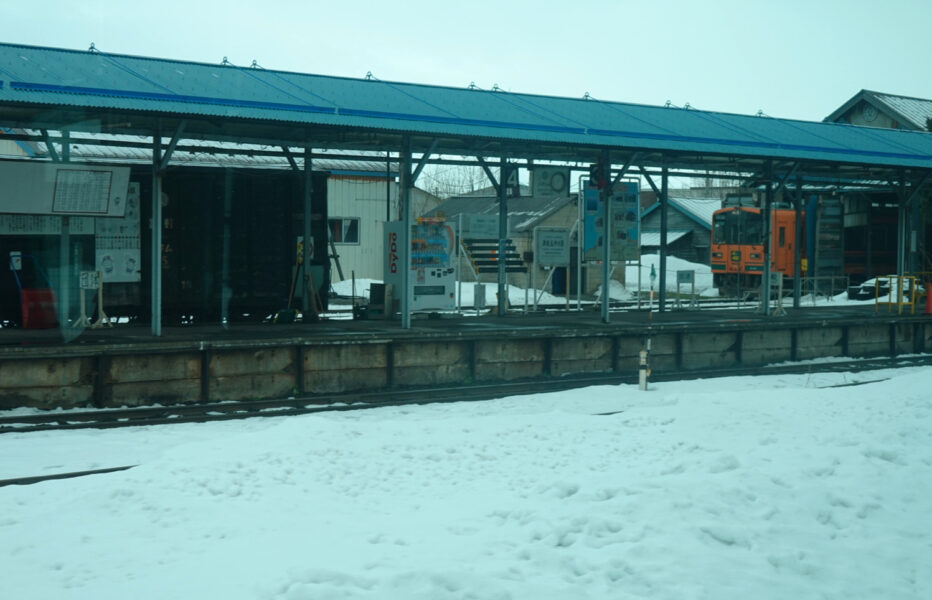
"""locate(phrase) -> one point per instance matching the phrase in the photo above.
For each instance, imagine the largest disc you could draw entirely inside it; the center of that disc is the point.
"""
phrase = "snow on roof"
(698, 208)
(524, 212)
(235, 155)
(652, 238)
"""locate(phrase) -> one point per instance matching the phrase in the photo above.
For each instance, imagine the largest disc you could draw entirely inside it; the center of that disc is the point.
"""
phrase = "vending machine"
(432, 278)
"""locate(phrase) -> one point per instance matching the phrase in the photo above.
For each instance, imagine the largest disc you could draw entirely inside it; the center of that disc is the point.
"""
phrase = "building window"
(344, 231)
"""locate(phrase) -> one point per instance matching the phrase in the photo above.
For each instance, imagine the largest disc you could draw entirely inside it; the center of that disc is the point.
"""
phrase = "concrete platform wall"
(130, 376)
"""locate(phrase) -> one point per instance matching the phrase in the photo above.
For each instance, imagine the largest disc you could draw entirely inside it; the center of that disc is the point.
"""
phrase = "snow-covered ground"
(767, 488)
(628, 291)
(516, 294)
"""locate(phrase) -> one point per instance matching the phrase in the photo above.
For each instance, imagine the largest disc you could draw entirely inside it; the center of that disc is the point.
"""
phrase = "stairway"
(484, 256)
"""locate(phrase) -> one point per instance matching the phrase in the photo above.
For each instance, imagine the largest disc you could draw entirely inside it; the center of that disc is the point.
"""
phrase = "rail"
(198, 413)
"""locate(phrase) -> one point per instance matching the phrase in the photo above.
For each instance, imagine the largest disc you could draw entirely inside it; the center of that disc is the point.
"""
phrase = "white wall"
(365, 198)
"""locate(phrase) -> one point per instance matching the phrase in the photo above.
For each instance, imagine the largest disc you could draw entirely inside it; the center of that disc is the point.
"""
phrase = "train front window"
(752, 228)
(726, 227)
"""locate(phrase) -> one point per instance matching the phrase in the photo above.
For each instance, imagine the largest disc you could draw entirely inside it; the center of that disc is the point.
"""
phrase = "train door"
(784, 241)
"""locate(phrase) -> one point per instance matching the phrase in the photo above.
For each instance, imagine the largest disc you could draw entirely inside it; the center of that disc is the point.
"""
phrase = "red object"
(929, 298)
(38, 308)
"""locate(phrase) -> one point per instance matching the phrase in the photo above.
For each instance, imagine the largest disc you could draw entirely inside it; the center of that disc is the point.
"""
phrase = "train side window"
(782, 237)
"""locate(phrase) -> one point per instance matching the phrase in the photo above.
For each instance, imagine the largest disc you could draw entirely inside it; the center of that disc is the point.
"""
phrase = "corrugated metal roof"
(911, 113)
(915, 110)
(90, 79)
(524, 212)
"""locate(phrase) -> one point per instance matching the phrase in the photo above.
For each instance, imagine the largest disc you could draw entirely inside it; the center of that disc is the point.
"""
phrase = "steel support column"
(49, 146)
(406, 184)
(156, 225)
(797, 245)
(64, 247)
(664, 194)
(306, 305)
(915, 214)
(901, 227)
(605, 196)
(159, 163)
(502, 236)
(388, 187)
(915, 218)
(66, 146)
(226, 290)
(767, 218)
(423, 162)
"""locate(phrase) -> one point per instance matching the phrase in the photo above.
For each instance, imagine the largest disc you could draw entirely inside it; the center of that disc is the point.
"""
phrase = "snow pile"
(702, 276)
(766, 488)
(516, 294)
(344, 288)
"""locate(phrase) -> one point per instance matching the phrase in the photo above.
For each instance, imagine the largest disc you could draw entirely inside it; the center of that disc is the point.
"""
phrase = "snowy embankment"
(516, 294)
(701, 273)
(770, 487)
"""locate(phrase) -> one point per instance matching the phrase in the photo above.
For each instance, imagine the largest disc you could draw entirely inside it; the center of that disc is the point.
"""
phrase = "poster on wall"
(44, 225)
(625, 222)
(63, 189)
(552, 246)
(117, 244)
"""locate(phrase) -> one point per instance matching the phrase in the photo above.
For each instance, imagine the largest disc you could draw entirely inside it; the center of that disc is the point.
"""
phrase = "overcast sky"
(790, 58)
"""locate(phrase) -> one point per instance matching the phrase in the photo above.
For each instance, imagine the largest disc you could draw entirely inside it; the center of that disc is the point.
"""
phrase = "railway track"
(198, 413)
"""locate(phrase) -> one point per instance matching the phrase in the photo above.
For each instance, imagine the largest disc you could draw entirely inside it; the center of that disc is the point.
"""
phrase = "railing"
(903, 290)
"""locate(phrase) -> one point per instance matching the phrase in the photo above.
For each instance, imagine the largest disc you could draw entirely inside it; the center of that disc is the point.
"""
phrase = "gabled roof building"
(889, 111)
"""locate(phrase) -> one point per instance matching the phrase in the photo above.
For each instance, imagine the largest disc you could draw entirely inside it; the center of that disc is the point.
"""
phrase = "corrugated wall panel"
(365, 200)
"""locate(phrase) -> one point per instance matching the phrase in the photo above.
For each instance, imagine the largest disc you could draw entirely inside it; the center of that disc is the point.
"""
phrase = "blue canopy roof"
(36, 77)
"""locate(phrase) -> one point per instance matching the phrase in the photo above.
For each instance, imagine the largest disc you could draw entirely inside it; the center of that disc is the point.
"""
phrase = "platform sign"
(625, 222)
(117, 247)
(626, 225)
(63, 189)
(591, 215)
(44, 225)
(482, 226)
(552, 246)
(89, 280)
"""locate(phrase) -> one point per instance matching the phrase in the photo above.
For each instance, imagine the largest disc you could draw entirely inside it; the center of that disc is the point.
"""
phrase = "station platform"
(340, 323)
(127, 365)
